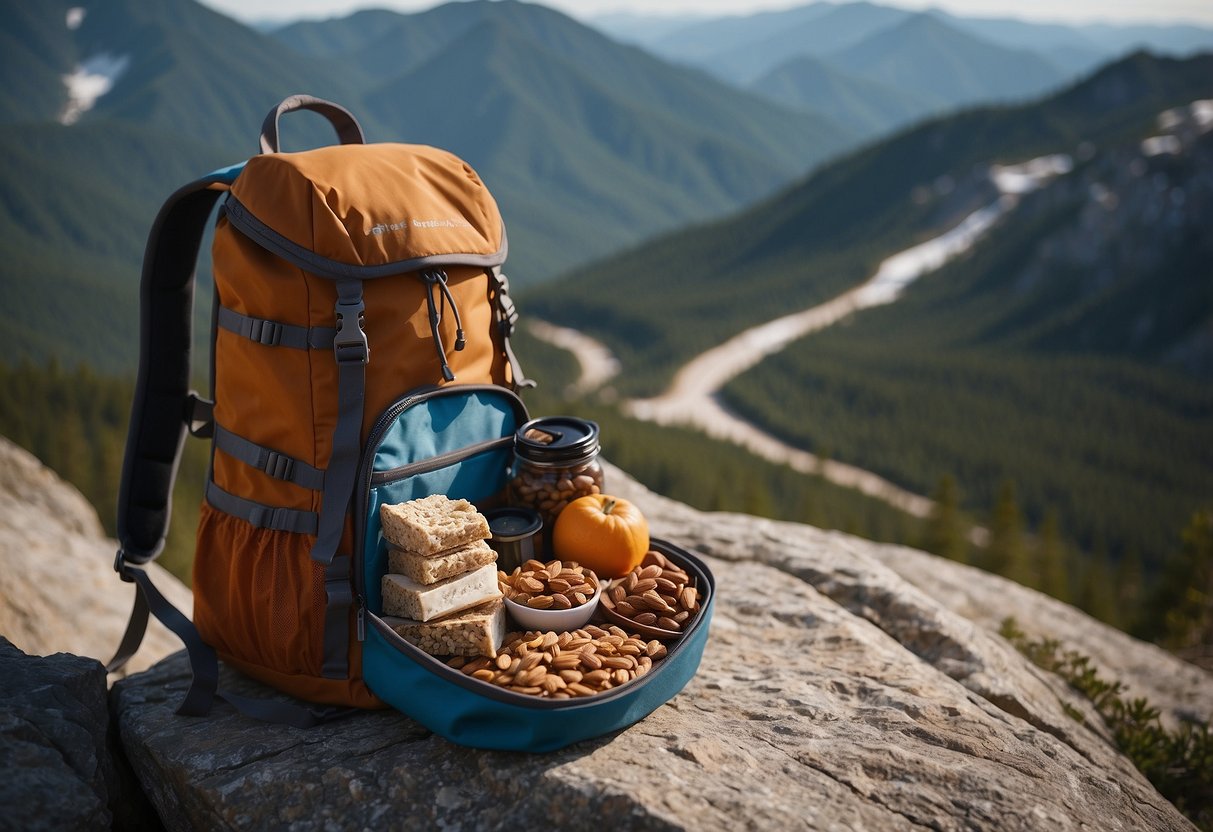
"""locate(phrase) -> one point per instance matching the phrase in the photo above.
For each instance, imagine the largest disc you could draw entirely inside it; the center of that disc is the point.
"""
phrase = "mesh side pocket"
(258, 595)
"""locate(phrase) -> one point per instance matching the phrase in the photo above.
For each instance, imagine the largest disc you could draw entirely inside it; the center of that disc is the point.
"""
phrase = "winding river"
(693, 400)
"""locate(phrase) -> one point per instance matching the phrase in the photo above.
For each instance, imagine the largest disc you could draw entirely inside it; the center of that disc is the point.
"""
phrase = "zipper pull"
(361, 626)
(447, 297)
(437, 282)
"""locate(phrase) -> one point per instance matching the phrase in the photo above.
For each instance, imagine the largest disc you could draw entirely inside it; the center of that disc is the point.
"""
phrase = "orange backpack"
(345, 277)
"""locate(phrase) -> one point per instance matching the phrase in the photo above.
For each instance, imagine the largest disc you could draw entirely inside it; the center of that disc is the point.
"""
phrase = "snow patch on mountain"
(1181, 126)
(91, 80)
(1030, 175)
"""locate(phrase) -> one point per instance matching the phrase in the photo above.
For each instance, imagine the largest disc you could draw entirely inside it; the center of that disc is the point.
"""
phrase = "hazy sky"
(1197, 11)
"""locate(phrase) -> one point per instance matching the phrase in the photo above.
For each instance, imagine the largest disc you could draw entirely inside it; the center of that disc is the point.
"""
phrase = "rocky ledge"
(846, 685)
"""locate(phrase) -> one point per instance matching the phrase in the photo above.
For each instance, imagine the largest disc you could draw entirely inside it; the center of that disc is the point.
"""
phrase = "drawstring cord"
(437, 280)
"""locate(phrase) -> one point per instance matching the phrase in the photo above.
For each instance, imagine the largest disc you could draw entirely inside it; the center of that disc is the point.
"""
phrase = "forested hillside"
(1170, 600)
(830, 232)
(1065, 357)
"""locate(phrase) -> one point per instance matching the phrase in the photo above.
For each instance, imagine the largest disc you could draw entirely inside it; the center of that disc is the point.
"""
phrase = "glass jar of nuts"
(557, 462)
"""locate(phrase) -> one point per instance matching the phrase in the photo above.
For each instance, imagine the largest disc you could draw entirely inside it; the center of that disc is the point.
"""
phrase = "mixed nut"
(583, 662)
(550, 491)
(657, 593)
(553, 585)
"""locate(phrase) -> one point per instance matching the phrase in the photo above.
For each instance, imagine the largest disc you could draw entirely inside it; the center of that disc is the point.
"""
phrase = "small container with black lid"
(557, 462)
(514, 533)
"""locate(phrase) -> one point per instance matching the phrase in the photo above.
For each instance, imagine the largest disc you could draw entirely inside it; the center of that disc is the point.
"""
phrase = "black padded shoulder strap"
(159, 411)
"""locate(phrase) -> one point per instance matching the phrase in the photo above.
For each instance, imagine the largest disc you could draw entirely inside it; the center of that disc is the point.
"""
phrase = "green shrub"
(1178, 762)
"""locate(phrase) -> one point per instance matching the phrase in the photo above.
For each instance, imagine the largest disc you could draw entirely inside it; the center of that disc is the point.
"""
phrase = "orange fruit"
(603, 533)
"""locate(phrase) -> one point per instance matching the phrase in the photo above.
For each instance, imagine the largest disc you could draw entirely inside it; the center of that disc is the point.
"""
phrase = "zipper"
(441, 461)
(367, 476)
(362, 488)
(263, 235)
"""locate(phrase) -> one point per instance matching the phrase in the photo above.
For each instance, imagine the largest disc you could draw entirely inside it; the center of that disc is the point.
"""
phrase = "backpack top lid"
(374, 204)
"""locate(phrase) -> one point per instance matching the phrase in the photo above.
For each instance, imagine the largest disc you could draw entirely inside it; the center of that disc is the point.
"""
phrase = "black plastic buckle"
(279, 466)
(199, 416)
(121, 568)
(266, 332)
(350, 344)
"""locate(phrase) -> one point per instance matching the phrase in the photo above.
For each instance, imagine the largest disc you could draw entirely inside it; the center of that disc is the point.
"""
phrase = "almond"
(666, 586)
(688, 599)
(596, 677)
(653, 556)
(644, 585)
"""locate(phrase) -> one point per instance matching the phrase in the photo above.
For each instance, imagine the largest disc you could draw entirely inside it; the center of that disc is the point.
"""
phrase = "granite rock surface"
(846, 685)
(836, 692)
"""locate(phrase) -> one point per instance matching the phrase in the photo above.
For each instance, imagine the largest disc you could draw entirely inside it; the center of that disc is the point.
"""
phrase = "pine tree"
(1094, 592)
(1006, 555)
(1049, 559)
(945, 530)
(1129, 584)
(757, 500)
(1185, 600)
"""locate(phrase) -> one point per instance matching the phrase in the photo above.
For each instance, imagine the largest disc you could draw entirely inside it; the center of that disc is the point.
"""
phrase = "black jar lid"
(513, 523)
(556, 439)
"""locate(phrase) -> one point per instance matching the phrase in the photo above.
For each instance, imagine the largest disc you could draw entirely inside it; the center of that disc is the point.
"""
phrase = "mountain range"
(1068, 352)
(877, 67)
(588, 144)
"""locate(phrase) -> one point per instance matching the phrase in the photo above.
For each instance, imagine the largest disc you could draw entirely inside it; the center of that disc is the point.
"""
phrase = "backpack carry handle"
(343, 121)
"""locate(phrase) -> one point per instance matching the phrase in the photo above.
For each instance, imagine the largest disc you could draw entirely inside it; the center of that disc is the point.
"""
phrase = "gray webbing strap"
(261, 515)
(275, 334)
(136, 628)
(339, 596)
(204, 664)
(352, 352)
(507, 317)
(277, 465)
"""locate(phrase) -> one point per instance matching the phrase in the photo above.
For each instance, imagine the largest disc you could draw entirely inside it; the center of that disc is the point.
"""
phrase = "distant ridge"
(935, 60)
(870, 107)
(925, 54)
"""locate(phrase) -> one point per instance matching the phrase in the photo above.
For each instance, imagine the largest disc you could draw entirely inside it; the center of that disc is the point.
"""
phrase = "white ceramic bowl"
(558, 621)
